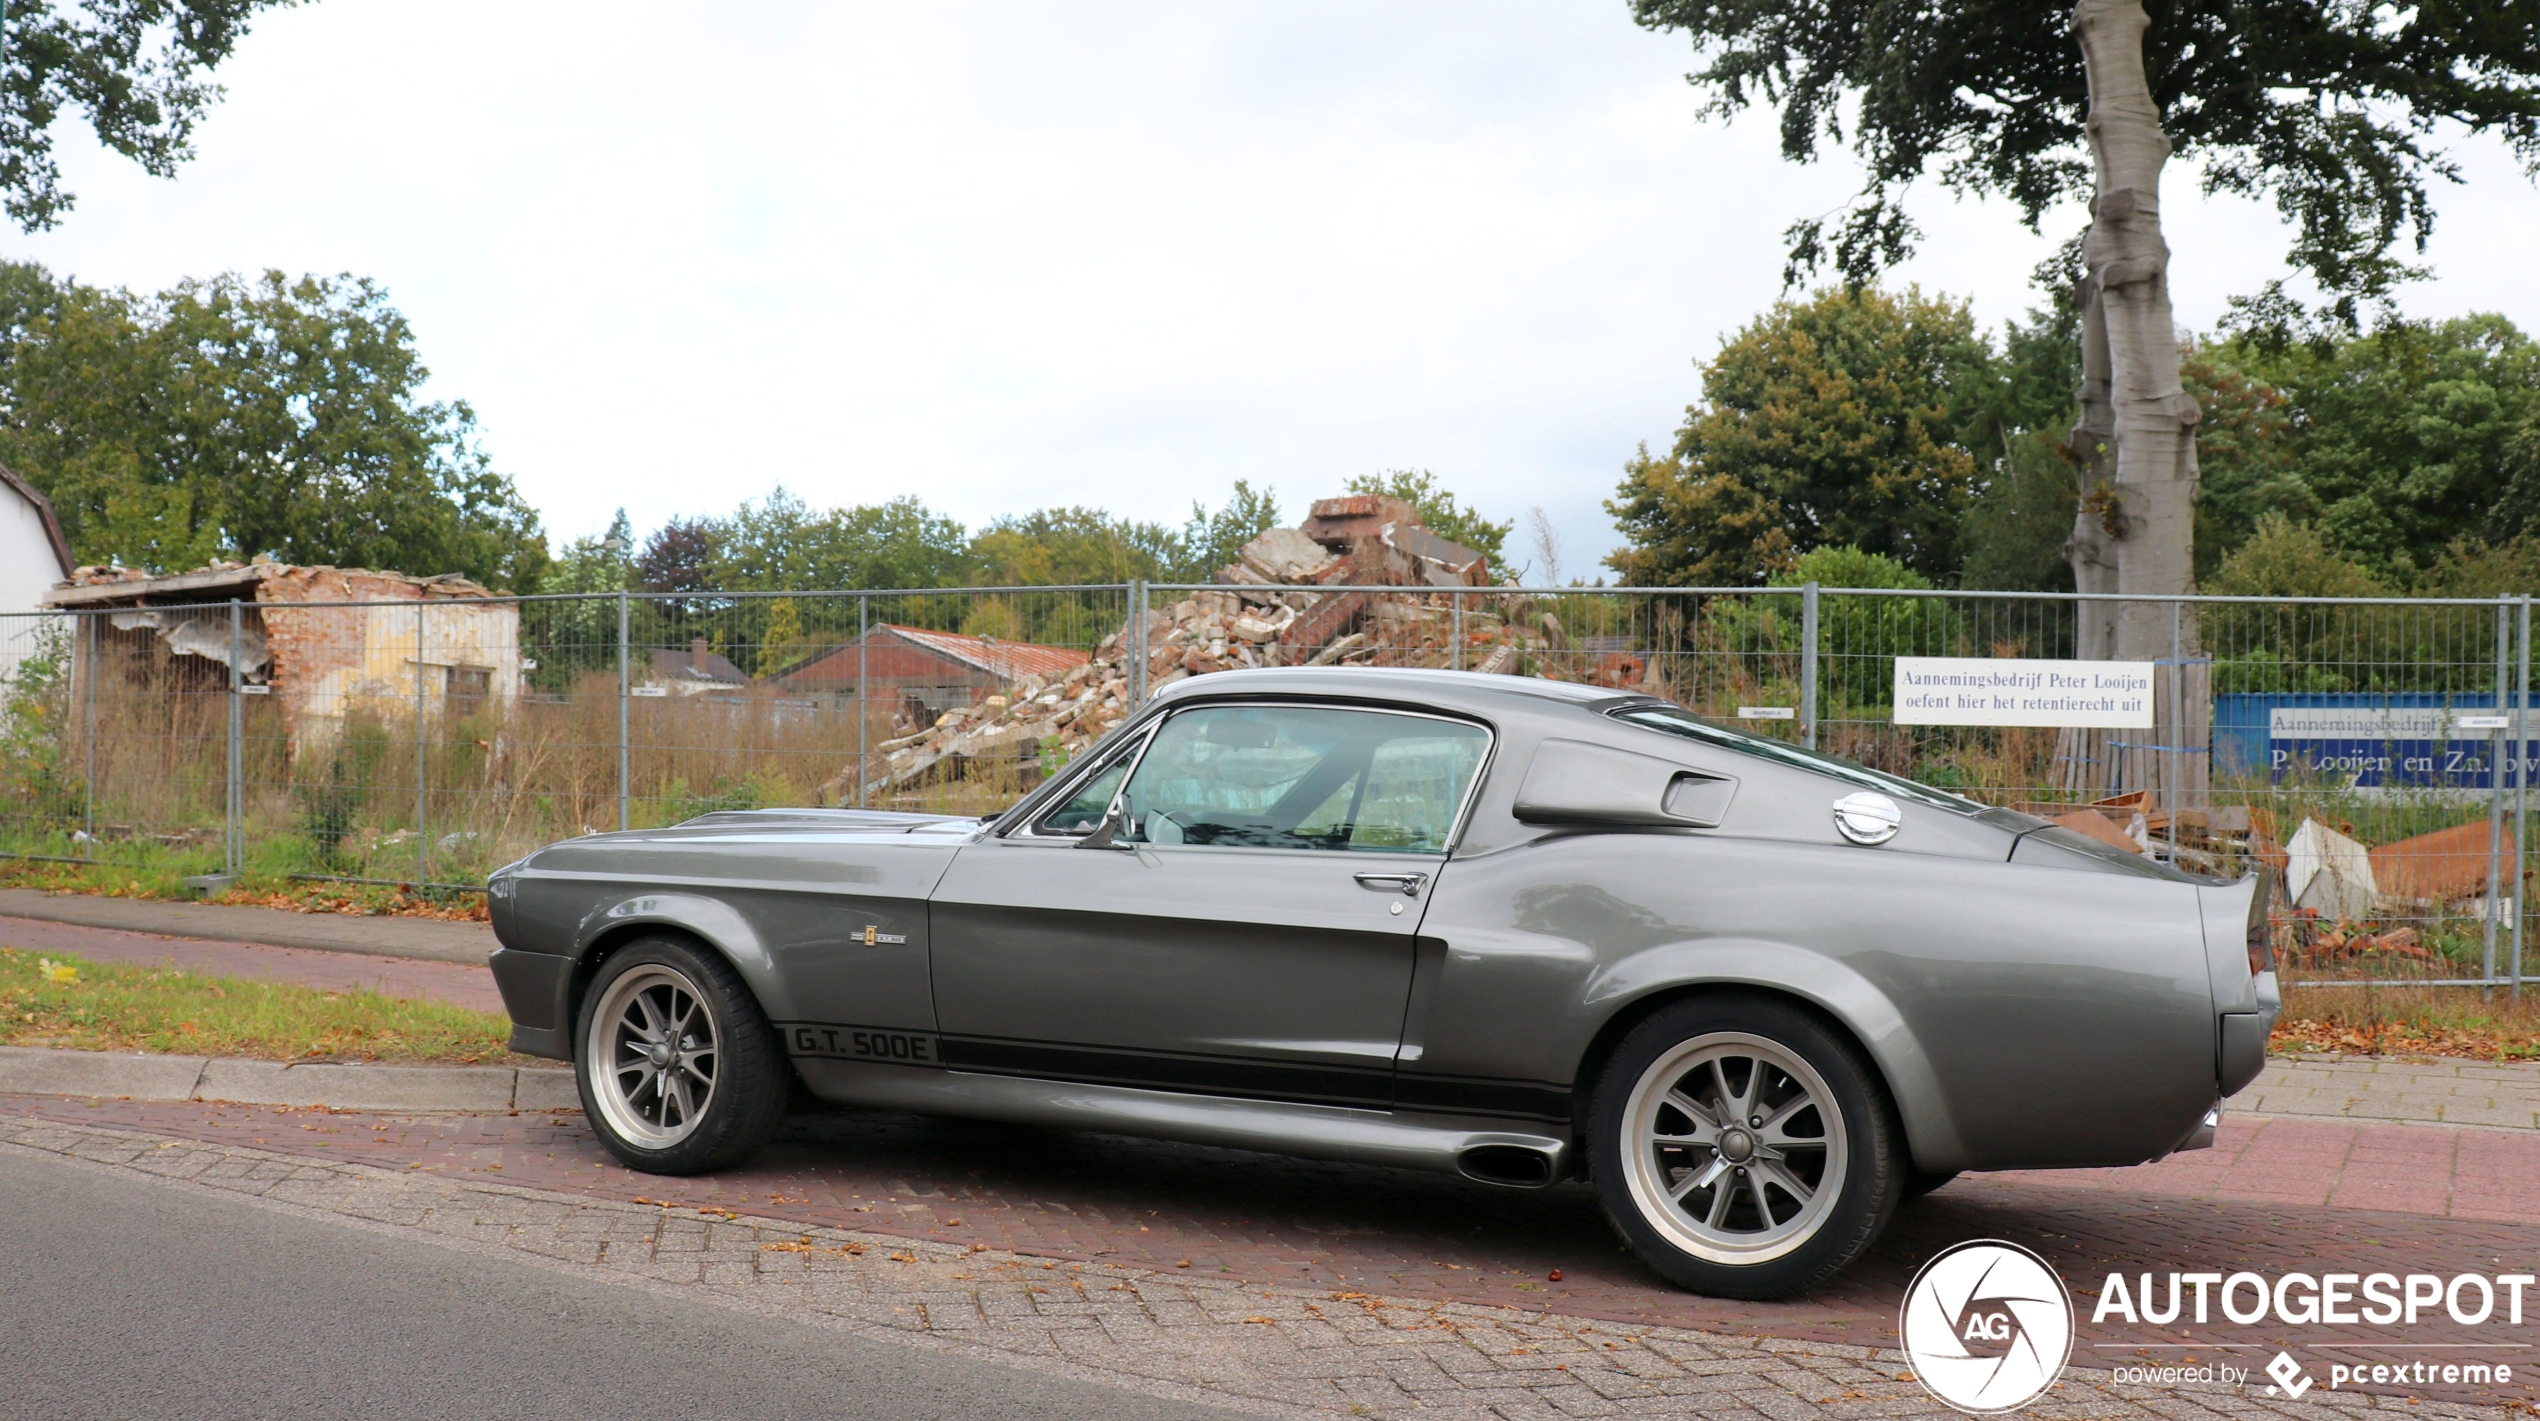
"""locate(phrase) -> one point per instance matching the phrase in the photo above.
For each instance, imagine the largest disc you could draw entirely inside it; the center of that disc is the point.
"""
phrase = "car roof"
(1471, 691)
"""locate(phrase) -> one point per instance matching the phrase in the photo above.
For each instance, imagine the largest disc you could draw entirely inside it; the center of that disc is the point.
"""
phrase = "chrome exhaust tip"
(1510, 1166)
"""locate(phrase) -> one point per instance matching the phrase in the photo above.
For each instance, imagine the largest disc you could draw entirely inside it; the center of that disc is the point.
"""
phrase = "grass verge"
(165, 880)
(2409, 1021)
(70, 1002)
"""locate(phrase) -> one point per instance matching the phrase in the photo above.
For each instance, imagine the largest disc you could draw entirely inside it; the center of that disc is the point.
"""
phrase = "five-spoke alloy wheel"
(678, 1068)
(1744, 1149)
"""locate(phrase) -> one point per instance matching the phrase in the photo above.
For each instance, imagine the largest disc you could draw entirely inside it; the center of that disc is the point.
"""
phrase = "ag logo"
(1988, 1326)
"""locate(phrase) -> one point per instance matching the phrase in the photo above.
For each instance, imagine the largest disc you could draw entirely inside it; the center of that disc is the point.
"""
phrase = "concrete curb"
(424, 938)
(28, 1070)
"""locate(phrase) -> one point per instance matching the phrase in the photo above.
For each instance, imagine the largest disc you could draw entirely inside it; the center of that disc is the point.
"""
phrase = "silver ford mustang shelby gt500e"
(1514, 929)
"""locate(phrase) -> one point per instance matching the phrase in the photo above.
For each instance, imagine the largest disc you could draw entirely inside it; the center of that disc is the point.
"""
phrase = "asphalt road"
(130, 1300)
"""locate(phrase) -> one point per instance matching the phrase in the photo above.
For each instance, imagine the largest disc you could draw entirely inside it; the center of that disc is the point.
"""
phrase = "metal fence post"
(1457, 597)
(232, 850)
(2496, 795)
(2178, 722)
(88, 767)
(1138, 641)
(863, 700)
(423, 823)
(2522, 781)
(1808, 664)
(622, 689)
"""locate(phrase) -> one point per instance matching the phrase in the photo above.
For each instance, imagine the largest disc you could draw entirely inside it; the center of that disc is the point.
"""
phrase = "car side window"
(1085, 808)
(1304, 777)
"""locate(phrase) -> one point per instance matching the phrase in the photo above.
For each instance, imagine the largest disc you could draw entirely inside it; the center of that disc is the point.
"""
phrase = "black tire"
(748, 1078)
(1921, 1182)
(1766, 1242)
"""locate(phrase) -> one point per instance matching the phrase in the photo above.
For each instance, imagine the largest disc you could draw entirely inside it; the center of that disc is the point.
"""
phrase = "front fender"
(1824, 982)
(716, 923)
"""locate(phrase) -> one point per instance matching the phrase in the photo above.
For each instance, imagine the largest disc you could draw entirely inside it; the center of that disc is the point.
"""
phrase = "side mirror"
(1106, 835)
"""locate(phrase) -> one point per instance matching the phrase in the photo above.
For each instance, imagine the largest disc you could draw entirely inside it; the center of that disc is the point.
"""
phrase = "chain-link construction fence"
(2360, 751)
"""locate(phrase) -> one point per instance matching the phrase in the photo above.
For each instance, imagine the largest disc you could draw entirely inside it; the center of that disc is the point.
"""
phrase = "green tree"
(2331, 110)
(602, 562)
(2473, 568)
(782, 544)
(2516, 515)
(679, 556)
(2280, 648)
(137, 68)
(1056, 546)
(2245, 444)
(571, 637)
(1439, 510)
(1694, 527)
(1827, 422)
(238, 417)
(1214, 540)
(2397, 442)
(2020, 511)
(1858, 637)
(2018, 518)
(2283, 558)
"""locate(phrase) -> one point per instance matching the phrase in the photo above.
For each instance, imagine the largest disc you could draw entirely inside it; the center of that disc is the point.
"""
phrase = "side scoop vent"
(1573, 782)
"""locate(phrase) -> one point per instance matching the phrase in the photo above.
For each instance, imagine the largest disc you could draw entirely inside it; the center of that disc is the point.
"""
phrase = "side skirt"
(1520, 1159)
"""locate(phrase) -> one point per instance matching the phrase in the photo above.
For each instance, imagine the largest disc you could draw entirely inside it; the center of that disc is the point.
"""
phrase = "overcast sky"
(1114, 254)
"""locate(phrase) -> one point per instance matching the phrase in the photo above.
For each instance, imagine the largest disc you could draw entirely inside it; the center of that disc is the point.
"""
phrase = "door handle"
(1408, 884)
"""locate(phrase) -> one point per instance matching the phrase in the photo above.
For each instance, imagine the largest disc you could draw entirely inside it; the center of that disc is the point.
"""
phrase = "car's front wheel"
(679, 1071)
(1743, 1148)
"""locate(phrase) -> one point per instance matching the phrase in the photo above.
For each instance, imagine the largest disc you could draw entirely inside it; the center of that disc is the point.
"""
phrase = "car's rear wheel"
(678, 1068)
(1744, 1149)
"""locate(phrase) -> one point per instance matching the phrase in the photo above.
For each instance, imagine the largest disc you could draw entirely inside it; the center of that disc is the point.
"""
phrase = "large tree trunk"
(2135, 528)
(2092, 549)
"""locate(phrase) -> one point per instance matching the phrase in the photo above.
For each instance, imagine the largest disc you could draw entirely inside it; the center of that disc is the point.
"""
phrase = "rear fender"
(1855, 1004)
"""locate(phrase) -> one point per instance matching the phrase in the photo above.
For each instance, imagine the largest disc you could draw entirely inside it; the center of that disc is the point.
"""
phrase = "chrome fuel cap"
(1867, 818)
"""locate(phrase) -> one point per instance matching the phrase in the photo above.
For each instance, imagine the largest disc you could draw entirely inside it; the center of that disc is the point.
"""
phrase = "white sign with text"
(2003, 690)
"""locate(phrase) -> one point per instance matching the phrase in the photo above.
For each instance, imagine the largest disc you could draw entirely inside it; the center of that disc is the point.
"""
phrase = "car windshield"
(1673, 721)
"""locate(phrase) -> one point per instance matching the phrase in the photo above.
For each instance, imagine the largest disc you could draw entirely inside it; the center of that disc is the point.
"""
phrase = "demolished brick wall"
(325, 661)
(1267, 611)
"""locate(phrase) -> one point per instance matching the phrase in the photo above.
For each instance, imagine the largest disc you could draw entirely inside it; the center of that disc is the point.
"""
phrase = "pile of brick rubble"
(1269, 609)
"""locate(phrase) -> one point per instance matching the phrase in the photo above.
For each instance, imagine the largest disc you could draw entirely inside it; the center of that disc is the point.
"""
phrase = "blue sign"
(2367, 739)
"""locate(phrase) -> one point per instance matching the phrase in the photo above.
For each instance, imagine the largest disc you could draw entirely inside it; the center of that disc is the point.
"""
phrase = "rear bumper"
(2241, 1051)
(533, 985)
(2202, 1137)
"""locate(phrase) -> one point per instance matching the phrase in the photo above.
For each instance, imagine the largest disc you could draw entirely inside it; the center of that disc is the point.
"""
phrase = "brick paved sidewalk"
(1192, 1211)
(1279, 1350)
(2432, 1090)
